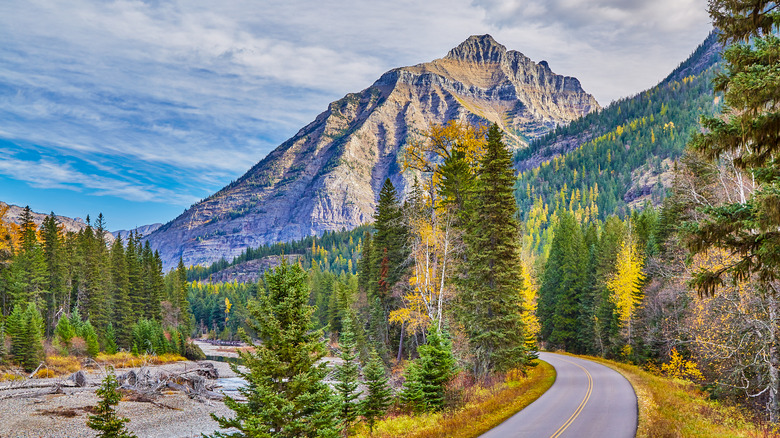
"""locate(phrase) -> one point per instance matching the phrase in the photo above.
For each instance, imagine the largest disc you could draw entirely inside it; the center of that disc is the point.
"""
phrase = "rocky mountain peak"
(479, 49)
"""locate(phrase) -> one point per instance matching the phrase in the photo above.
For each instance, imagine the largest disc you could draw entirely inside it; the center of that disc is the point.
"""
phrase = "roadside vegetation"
(671, 406)
(482, 407)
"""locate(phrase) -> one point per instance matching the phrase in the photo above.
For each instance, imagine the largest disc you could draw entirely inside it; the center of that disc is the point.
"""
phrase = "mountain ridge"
(328, 175)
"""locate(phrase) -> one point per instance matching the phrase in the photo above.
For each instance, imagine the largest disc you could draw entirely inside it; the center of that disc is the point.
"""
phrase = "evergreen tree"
(347, 374)
(428, 376)
(389, 240)
(90, 337)
(51, 234)
(379, 396)
(105, 421)
(32, 279)
(110, 339)
(122, 304)
(32, 348)
(3, 351)
(490, 301)
(564, 286)
(64, 332)
(134, 278)
(748, 136)
(286, 396)
(181, 296)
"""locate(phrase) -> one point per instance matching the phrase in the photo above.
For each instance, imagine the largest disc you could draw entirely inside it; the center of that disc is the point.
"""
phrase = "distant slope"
(74, 225)
(328, 175)
(608, 161)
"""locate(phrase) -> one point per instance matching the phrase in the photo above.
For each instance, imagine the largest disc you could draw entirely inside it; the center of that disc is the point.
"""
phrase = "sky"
(138, 109)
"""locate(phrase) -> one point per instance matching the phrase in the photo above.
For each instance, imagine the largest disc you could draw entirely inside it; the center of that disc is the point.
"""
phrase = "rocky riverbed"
(173, 414)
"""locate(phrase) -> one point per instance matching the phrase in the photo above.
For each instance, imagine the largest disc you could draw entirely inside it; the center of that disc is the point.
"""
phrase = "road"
(586, 400)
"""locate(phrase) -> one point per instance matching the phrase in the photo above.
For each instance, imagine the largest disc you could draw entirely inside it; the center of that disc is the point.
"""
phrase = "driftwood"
(140, 384)
(190, 382)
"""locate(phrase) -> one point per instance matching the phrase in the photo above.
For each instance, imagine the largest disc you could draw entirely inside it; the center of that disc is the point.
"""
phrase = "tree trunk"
(401, 343)
(774, 361)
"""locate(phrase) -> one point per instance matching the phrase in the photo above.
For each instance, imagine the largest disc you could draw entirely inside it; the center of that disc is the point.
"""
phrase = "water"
(230, 385)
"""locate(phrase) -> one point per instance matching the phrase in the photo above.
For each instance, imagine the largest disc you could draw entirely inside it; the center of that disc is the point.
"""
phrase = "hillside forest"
(645, 233)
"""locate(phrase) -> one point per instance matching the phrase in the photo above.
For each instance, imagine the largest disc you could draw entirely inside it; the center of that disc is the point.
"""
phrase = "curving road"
(586, 400)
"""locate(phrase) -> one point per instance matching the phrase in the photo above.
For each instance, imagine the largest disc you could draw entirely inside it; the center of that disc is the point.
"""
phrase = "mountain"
(328, 175)
(143, 230)
(14, 214)
(618, 159)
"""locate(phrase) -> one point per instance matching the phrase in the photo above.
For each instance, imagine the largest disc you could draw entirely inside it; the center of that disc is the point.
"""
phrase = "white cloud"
(195, 91)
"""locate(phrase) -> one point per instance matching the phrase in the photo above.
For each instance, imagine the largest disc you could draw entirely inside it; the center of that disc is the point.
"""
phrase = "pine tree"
(490, 298)
(429, 374)
(105, 421)
(32, 339)
(286, 396)
(379, 396)
(347, 374)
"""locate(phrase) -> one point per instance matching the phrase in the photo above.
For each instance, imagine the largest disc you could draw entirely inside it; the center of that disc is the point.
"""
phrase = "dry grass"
(486, 408)
(127, 360)
(674, 408)
(9, 377)
(61, 365)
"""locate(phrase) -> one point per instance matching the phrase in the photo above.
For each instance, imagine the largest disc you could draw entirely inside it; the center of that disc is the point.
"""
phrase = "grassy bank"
(487, 408)
(672, 408)
(56, 366)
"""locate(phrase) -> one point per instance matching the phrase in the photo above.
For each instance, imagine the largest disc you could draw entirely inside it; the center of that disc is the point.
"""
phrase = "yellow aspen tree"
(626, 284)
(530, 294)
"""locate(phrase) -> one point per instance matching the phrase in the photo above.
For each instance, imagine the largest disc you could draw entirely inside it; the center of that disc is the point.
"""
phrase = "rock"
(328, 175)
(79, 378)
(208, 370)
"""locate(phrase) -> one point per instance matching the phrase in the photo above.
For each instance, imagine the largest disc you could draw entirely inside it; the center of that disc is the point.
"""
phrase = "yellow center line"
(580, 407)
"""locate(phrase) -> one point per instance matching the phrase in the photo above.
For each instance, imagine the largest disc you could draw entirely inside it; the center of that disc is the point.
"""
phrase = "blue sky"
(138, 109)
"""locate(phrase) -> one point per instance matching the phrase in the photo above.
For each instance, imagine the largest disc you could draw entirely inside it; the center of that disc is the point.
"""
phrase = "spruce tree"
(105, 421)
(285, 395)
(32, 339)
(490, 303)
(64, 332)
(122, 304)
(90, 337)
(747, 135)
(51, 234)
(389, 241)
(3, 351)
(379, 395)
(564, 285)
(181, 296)
(429, 374)
(347, 374)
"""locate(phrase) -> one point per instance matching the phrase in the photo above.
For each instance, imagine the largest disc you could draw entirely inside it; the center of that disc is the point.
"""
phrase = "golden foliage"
(680, 368)
(625, 284)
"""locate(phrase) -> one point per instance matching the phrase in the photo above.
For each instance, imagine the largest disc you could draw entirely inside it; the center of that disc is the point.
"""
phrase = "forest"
(461, 281)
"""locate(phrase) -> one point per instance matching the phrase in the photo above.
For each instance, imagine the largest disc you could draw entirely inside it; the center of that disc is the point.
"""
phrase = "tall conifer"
(490, 301)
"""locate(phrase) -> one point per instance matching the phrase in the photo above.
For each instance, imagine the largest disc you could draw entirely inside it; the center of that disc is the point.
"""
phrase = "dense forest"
(84, 295)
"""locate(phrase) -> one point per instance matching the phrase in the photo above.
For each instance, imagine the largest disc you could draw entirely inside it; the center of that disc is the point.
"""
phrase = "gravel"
(64, 415)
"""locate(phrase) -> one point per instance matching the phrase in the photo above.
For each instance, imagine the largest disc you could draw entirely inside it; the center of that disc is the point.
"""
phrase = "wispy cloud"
(144, 96)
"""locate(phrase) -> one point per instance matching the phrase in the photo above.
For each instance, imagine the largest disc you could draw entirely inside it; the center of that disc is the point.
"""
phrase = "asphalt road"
(587, 400)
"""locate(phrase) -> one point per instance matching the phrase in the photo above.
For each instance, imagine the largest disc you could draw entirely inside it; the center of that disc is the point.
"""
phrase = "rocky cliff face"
(328, 176)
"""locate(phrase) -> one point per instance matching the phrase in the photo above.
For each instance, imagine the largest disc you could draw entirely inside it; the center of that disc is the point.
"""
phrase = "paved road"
(587, 400)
